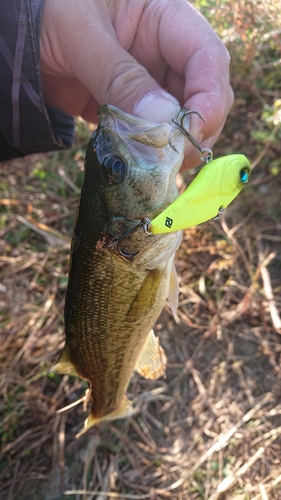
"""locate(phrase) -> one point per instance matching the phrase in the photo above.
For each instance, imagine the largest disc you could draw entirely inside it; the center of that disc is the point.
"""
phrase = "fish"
(120, 276)
(216, 185)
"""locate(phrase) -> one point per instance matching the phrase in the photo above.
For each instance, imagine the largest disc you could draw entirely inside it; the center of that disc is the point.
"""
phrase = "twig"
(67, 180)
(61, 453)
(71, 405)
(10, 496)
(268, 486)
(263, 492)
(108, 494)
(230, 480)
(53, 238)
(222, 440)
(264, 261)
(266, 147)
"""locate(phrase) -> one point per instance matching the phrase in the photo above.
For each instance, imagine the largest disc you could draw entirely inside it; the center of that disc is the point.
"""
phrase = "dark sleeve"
(27, 125)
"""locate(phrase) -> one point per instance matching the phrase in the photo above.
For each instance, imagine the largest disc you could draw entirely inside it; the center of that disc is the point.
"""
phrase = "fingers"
(192, 158)
(142, 57)
(206, 133)
(189, 60)
(83, 47)
(214, 105)
(200, 62)
(98, 56)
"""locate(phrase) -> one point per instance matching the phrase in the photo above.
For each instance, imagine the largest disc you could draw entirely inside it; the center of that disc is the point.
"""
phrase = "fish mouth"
(144, 137)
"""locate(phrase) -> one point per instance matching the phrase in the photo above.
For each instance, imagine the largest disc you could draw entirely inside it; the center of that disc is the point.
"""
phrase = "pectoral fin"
(64, 365)
(124, 411)
(152, 361)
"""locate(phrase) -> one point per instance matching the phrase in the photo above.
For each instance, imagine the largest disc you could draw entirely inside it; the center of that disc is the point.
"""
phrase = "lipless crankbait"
(212, 190)
(209, 194)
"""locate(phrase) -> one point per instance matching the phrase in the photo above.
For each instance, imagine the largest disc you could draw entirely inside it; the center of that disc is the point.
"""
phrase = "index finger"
(194, 52)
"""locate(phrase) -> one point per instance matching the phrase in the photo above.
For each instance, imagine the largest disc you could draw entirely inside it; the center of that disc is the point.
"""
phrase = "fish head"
(135, 163)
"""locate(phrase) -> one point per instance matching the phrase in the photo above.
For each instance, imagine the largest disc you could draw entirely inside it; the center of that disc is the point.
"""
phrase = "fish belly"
(112, 306)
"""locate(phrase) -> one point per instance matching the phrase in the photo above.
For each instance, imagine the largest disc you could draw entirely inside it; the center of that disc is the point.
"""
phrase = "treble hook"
(180, 126)
(118, 241)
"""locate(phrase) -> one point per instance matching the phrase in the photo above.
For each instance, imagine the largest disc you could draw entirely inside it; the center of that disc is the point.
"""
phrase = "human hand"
(142, 56)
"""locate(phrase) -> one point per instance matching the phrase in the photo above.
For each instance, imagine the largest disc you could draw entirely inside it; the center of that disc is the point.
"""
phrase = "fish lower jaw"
(124, 411)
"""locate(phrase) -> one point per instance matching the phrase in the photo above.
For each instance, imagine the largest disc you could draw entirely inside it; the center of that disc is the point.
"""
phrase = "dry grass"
(211, 429)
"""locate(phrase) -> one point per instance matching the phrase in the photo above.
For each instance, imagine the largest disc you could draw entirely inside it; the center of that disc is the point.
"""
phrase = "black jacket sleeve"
(27, 125)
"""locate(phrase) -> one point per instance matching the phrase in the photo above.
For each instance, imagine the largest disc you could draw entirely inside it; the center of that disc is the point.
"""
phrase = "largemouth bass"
(120, 276)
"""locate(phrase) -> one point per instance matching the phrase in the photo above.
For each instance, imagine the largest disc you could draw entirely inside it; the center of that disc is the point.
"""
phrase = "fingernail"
(157, 107)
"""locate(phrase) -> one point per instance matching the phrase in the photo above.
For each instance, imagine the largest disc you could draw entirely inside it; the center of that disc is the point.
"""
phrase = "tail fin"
(124, 411)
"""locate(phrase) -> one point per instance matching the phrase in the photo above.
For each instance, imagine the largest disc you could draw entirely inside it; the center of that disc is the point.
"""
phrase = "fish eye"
(244, 175)
(114, 169)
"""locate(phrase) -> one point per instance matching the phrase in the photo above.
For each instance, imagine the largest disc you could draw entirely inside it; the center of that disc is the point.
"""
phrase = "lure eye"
(114, 169)
(244, 175)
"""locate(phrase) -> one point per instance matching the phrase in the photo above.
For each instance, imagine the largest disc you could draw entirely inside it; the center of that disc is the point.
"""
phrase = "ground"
(212, 428)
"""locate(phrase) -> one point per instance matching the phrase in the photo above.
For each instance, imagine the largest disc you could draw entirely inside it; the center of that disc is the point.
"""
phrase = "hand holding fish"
(144, 57)
(120, 272)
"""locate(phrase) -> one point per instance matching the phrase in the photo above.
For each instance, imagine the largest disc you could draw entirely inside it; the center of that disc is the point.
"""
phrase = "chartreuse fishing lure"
(209, 194)
(212, 190)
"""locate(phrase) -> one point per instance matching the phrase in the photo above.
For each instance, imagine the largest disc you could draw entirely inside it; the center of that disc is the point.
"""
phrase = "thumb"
(84, 48)
(157, 106)
(110, 73)
(117, 78)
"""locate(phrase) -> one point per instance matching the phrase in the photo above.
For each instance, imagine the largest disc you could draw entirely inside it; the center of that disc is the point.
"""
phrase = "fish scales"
(114, 298)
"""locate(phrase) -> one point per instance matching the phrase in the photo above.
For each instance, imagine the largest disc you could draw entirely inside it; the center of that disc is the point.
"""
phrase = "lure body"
(213, 189)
